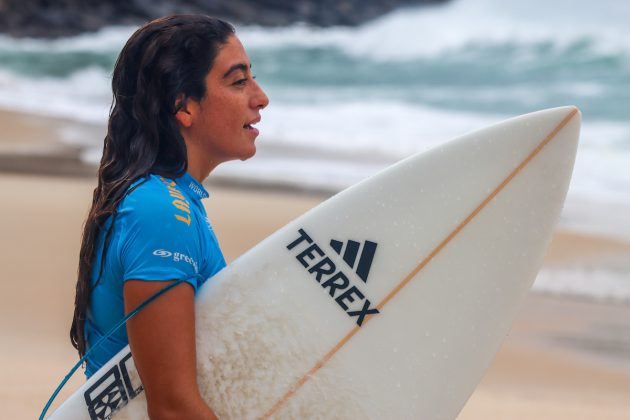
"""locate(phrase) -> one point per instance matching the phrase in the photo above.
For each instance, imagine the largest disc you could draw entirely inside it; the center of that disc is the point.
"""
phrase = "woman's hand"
(162, 341)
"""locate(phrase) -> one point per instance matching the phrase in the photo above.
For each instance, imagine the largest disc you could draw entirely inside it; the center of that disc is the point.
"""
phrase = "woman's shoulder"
(152, 195)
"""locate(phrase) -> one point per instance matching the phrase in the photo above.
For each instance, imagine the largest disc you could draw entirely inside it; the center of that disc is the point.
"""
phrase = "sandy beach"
(564, 359)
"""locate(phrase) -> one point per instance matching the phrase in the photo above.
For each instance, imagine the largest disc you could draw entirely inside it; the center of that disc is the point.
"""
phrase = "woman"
(184, 101)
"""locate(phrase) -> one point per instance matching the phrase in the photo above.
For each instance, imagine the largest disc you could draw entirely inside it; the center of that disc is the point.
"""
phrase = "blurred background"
(355, 87)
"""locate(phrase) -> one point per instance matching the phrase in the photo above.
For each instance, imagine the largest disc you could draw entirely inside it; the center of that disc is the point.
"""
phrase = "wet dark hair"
(161, 66)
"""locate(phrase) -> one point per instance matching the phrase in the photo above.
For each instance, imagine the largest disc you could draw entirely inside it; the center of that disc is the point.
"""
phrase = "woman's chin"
(249, 153)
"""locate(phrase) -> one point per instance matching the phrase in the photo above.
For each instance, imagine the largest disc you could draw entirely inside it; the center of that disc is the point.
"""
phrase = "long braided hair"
(163, 64)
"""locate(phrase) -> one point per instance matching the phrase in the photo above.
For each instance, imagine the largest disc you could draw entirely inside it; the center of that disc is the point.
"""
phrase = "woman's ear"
(186, 110)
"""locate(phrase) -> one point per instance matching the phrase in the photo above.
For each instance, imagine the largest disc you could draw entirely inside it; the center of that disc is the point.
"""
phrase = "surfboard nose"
(574, 125)
(568, 129)
(569, 120)
(571, 112)
(558, 128)
(576, 120)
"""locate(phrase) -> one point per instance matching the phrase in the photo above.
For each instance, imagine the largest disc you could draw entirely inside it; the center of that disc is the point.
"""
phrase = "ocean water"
(347, 102)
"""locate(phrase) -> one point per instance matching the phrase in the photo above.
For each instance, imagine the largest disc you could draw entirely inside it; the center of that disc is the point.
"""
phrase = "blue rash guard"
(161, 232)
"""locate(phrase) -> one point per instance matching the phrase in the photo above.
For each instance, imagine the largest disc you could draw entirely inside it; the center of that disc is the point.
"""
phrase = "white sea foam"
(597, 213)
(603, 284)
(84, 96)
(381, 127)
(427, 30)
(413, 32)
(385, 129)
(335, 143)
(109, 39)
(454, 26)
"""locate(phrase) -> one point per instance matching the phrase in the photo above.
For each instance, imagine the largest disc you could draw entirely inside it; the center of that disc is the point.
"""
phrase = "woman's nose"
(259, 98)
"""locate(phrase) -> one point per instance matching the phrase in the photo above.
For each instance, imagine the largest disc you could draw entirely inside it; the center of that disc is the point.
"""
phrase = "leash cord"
(102, 339)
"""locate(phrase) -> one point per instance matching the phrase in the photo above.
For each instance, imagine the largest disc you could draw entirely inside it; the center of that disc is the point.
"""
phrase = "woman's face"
(221, 127)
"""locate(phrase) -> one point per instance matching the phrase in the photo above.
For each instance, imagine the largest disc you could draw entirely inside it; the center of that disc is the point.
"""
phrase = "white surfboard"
(389, 300)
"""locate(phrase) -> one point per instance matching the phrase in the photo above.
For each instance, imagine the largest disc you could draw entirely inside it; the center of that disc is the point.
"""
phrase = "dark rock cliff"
(53, 18)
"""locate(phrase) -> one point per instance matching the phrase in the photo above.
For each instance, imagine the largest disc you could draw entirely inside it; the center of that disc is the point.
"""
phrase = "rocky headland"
(45, 18)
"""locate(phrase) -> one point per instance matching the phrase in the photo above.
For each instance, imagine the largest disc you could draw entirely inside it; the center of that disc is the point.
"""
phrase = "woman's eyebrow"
(235, 67)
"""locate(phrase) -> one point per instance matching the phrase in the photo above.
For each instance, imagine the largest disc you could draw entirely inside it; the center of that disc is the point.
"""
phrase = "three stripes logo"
(351, 252)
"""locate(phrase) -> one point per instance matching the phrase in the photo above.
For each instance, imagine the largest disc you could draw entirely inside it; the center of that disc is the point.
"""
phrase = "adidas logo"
(336, 284)
(351, 252)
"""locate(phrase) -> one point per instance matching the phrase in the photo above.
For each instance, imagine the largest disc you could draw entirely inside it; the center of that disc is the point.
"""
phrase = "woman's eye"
(240, 82)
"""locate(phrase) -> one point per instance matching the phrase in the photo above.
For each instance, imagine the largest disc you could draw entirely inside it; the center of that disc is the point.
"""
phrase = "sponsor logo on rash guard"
(180, 203)
(347, 296)
(196, 189)
(162, 253)
(177, 257)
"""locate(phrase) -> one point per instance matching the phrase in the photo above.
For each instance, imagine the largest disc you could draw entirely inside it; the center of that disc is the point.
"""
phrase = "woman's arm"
(162, 341)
